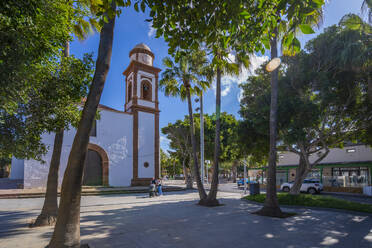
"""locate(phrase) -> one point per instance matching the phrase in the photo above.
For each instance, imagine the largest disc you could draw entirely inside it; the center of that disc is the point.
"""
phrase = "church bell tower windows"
(129, 91)
(146, 92)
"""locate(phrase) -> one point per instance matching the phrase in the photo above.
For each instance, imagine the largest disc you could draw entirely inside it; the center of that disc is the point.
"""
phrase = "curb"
(347, 194)
(315, 208)
(93, 193)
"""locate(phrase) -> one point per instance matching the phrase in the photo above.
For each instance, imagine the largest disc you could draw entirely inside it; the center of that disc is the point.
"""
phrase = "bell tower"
(141, 99)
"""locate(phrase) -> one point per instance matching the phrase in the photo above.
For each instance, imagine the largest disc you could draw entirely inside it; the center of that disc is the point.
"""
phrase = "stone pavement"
(174, 220)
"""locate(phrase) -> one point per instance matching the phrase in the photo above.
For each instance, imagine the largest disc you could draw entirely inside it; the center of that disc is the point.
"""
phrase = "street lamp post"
(245, 176)
(201, 137)
(207, 163)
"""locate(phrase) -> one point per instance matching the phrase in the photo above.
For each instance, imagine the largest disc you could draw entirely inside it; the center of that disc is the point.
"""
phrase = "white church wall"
(17, 169)
(146, 103)
(35, 172)
(114, 135)
(146, 144)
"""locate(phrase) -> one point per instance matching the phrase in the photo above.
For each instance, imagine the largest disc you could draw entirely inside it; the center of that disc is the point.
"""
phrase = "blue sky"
(131, 29)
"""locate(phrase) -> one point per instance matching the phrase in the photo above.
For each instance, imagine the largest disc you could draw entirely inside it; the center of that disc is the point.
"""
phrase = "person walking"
(152, 189)
(160, 189)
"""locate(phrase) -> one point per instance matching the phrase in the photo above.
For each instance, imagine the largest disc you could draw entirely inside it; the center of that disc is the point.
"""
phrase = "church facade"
(123, 147)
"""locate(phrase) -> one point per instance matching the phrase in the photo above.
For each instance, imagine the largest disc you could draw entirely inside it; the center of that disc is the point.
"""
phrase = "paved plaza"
(174, 220)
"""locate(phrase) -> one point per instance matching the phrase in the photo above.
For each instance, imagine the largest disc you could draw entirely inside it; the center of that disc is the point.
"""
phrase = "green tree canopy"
(170, 165)
(179, 137)
(52, 106)
(40, 89)
(319, 100)
(31, 33)
(348, 51)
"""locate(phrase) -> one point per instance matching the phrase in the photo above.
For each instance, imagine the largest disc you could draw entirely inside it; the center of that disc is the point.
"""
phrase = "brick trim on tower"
(134, 67)
(135, 145)
(157, 143)
(143, 67)
(156, 92)
(157, 135)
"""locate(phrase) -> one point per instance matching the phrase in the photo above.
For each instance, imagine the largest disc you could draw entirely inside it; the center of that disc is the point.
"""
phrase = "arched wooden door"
(93, 169)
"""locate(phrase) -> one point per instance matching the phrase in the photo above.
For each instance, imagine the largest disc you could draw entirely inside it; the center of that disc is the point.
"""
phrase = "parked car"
(240, 182)
(311, 186)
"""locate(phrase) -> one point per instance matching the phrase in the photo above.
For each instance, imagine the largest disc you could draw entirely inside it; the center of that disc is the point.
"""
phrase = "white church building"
(123, 147)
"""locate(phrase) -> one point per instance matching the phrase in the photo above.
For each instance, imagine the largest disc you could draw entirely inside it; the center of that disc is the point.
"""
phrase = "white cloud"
(164, 142)
(240, 95)
(256, 62)
(226, 85)
(228, 81)
(151, 31)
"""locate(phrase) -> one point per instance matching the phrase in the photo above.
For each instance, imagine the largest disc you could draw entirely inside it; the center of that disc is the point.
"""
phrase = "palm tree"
(67, 229)
(223, 67)
(181, 79)
(300, 21)
(48, 215)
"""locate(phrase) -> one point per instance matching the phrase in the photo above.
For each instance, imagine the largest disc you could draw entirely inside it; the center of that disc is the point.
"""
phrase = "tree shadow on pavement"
(173, 221)
(184, 224)
(15, 223)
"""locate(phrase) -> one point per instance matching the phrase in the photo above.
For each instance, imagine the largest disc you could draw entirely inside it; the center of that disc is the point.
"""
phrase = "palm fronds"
(188, 69)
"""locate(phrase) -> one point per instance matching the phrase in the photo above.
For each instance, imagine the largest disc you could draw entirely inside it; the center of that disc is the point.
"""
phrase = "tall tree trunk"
(199, 183)
(235, 170)
(184, 168)
(48, 215)
(369, 88)
(174, 170)
(301, 173)
(67, 230)
(271, 205)
(212, 196)
(188, 179)
(192, 168)
(304, 168)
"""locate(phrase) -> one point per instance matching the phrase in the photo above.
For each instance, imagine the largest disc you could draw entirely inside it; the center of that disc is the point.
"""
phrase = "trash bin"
(254, 189)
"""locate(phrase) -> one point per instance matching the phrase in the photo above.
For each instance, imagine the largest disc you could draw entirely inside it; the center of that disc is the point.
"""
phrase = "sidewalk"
(176, 221)
(40, 192)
